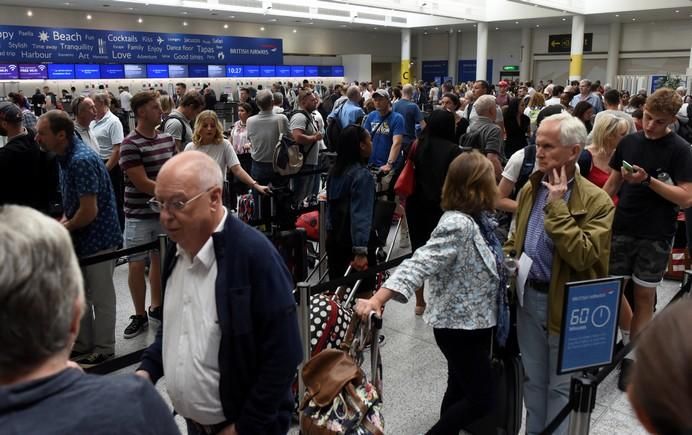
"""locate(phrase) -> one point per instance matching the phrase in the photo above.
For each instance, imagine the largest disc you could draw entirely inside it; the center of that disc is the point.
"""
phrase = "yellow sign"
(575, 65)
(406, 76)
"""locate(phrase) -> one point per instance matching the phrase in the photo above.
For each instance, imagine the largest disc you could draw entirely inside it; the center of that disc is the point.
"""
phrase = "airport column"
(419, 55)
(526, 50)
(482, 51)
(405, 76)
(452, 57)
(613, 54)
(576, 55)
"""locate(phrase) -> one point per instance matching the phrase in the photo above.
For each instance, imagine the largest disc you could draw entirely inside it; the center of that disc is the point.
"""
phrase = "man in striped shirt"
(141, 156)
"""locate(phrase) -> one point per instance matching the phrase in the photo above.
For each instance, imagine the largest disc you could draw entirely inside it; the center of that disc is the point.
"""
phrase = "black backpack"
(183, 135)
(526, 169)
(333, 130)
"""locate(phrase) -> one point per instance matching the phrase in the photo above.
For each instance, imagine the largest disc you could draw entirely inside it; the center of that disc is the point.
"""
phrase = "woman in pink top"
(241, 144)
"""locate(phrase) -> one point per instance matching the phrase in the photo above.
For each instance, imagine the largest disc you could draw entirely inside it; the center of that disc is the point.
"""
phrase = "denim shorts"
(139, 232)
(644, 260)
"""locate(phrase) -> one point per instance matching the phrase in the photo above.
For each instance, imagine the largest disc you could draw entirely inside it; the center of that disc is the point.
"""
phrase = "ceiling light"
(374, 28)
(139, 20)
(130, 9)
(634, 19)
(295, 31)
(564, 19)
(459, 31)
(88, 17)
(273, 20)
(677, 11)
(425, 33)
(435, 28)
(474, 25)
(225, 26)
(497, 28)
(184, 23)
(538, 25)
(617, 15)
(29, 13)
(343, 25)
(231, 16)
(516, 22)
(262, 28)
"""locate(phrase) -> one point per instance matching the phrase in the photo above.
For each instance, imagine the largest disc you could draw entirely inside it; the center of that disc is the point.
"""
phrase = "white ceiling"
(389, 15)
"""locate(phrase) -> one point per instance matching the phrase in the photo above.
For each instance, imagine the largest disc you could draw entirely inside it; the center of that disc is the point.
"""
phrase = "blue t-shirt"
(412, 116)
(383, 136)
(82, 172)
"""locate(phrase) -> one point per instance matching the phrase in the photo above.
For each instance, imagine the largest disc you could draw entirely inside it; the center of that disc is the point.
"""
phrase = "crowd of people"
(584, 180)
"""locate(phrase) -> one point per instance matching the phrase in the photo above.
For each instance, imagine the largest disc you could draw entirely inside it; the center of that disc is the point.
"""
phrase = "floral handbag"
(338, 397)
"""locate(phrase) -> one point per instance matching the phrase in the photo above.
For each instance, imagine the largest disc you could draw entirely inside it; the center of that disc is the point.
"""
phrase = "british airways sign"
(60, 45)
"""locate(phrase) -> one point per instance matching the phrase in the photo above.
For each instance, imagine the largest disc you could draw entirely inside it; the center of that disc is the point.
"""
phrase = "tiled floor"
(415, 370)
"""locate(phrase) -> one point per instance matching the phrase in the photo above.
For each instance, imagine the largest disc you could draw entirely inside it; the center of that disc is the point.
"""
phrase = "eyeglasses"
(179, 205)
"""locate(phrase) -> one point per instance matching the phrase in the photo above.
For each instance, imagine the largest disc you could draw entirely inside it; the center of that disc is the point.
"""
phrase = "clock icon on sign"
(600, 316)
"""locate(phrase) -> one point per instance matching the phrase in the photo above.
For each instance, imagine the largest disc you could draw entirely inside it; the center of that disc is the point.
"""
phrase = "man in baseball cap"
(28, 176)
(502, 98)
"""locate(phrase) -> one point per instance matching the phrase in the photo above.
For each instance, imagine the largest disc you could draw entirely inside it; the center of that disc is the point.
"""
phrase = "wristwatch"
(647, 180)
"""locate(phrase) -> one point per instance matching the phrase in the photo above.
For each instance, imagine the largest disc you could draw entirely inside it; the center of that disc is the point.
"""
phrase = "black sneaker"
(625, 370)
(156, 313)
(77, 356)
(138, 325)
(94, 359)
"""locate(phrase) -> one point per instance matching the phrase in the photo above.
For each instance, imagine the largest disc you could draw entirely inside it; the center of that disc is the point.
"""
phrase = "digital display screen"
(267, 71)
(251, 71)
(297, 71)
(311, 71)
(234, 70)
(135, 71)
(33, 71)
(157, 71)
(337, 71)
(87, 72)
(198, 70)
(61, 71)
(216, 71)
(283, 71)
(177, 71)
(112, 71)
(9, 71)
(324, 71)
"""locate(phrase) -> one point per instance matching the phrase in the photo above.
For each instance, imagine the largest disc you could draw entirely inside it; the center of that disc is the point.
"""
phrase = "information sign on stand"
(589, 324)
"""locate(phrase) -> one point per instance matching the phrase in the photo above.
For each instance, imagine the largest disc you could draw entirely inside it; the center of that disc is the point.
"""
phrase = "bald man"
(231, 354)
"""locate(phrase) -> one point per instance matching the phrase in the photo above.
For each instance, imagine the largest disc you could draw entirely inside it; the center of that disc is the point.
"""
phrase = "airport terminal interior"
(80, 47)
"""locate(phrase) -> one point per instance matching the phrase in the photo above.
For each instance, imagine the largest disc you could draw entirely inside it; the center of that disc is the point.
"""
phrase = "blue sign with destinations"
(267, 71)
(589, 324)
(216, 70)
(297, 71)
(234, 70)
(337, 71)
(251, 71)
(58, 71)
(157, 71)
(324, 71)
(283, 71)
(68, 45)
(112, 71)
(433, 69)
(87, 72)
(198, 70)
(311, 71)
(9, 71)
(134, 71)
(467, 70)
(177, 71)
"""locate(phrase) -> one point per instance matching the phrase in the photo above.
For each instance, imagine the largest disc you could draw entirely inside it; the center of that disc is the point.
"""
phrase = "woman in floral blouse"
(241, 145)
(462, 262)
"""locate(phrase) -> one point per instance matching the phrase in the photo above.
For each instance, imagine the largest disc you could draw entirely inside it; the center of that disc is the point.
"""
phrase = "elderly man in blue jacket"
(229, 343)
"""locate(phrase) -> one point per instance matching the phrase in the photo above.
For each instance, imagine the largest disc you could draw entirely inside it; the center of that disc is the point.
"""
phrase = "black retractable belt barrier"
(585, 386)
(95, 259)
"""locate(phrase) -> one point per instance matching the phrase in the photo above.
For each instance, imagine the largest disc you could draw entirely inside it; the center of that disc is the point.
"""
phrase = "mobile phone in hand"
(628, 167)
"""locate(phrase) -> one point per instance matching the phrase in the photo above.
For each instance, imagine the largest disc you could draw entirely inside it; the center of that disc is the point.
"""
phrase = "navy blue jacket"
(260, 344)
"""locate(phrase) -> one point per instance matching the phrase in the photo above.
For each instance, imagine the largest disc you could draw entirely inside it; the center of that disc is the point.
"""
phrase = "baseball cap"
(381, 93)
(502, 83)
(10, 112)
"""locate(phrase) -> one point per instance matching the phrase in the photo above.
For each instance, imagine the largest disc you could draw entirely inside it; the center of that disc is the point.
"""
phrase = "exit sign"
(510, 68)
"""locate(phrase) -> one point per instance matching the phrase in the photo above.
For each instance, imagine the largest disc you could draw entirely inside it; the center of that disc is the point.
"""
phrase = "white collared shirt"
(191, 335)
(87, 137)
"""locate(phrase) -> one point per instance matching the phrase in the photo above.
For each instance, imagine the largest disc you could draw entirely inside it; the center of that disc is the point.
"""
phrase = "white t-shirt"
(125, 98)
(513, 166)
(223, 154)
(552, 101)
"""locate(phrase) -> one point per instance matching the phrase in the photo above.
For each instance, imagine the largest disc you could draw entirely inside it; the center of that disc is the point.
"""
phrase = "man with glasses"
(229, 345)
(141, 156)
(90, 217)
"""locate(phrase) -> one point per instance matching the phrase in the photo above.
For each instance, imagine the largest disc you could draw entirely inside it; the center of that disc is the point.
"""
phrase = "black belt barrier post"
(323, 238)
(583, 400)
(304, 320)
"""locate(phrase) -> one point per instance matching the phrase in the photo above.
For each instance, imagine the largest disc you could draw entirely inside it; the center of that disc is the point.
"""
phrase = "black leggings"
(470, 383)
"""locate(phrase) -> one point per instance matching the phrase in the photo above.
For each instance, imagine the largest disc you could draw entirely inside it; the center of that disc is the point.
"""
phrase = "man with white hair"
(585, 94)
(229, 343)
(42, 296)
(484, 134)
(563, 223)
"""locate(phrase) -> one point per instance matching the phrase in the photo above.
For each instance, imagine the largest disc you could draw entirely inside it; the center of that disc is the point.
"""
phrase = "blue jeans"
(545, 392)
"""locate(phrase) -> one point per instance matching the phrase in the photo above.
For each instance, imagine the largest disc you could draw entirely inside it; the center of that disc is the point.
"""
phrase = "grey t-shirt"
(174, 126)
(309, 126)
(263, 132)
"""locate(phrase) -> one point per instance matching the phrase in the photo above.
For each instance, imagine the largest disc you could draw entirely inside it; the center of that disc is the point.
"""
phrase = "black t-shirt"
(641, 212)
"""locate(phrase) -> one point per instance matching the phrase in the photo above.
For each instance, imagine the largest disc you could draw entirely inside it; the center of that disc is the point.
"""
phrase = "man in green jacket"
(563, 223)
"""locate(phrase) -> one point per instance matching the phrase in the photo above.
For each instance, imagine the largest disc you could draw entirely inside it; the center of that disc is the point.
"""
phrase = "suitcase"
(508, 373)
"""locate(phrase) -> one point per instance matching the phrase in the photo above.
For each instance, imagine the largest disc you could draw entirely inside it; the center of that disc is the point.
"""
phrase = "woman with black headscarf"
(436, 150)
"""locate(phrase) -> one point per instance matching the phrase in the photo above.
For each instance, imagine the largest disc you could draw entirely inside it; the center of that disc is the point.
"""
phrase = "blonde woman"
(533, 108)
(208, 138)
(166, 105)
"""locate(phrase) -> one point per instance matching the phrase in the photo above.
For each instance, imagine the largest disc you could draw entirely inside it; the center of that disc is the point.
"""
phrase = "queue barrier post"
(304, 321)
(323, 238)
(583, 399)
